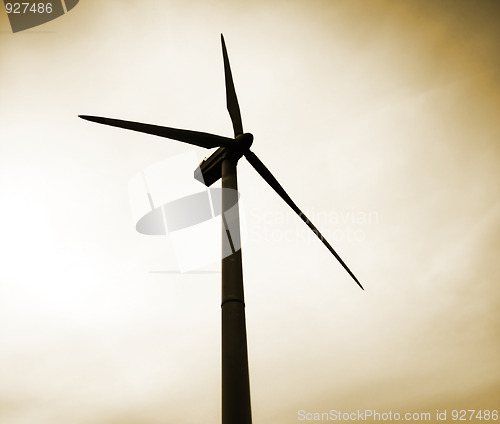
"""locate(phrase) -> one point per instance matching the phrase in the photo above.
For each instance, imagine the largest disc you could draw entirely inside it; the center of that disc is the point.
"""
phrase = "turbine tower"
(222, 164)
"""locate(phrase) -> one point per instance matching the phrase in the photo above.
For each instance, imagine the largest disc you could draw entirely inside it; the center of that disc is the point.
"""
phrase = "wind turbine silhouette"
(222, 164)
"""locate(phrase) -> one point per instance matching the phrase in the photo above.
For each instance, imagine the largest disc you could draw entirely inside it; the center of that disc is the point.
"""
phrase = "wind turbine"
(222, 164)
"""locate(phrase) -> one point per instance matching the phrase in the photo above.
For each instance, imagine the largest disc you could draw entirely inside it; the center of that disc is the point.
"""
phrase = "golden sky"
(380, 119)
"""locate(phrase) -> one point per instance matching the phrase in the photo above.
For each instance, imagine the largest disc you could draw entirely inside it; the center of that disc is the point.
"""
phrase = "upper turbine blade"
(201, 139)
(266, 174)
(231, 99)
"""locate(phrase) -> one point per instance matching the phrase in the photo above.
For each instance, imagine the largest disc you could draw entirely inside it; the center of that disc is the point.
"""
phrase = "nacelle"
(210, 169)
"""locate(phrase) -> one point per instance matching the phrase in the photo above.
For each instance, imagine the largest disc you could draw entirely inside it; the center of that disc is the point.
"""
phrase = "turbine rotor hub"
(244, 141)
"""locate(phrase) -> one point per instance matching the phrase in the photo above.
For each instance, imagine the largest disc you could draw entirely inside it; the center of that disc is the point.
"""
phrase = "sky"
(379, 118)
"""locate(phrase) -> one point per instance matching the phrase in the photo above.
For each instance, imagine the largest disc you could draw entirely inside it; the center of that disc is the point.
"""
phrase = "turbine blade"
(201, 139)
(231, 99)
(266, 174)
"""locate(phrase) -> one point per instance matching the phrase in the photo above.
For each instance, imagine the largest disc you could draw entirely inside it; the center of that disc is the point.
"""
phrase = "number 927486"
(24, 8)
